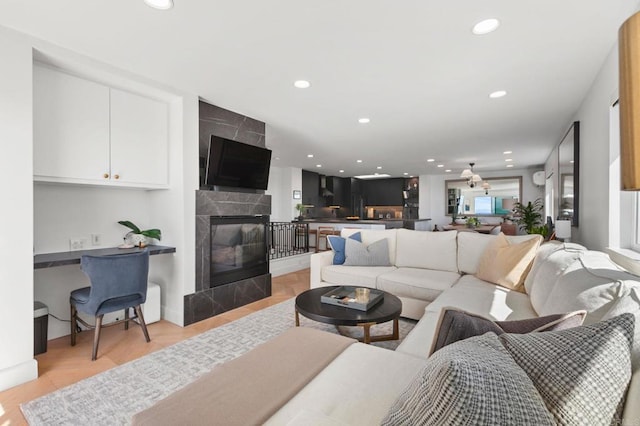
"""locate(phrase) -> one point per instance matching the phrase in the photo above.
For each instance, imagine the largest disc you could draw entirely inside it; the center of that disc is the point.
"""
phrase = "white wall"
(16, 239)
(433, 198)
(593, 114)
(282, 182)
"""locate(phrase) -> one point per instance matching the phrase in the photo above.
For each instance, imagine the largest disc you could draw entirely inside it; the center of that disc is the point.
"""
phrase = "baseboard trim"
(18, 374)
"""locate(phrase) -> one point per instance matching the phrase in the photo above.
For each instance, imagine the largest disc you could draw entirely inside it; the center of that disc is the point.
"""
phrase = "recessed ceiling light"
(159, 4)
(340, 171)
(508, 159)
(379, 167)
(318, 165)
(508, 152)
(363, 120)
(509, 165)
(277, 158)
(406, 174)
(358, 161)
(374, 176)
(440, 165)
(486, 26)
(430, 160)
(448, 171)
(302, 84)
(498, 94)
(571, 161)
(309, 155)
(411, 176)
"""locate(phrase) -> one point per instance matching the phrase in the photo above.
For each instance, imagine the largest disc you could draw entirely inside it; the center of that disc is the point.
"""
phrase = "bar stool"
(323, 231)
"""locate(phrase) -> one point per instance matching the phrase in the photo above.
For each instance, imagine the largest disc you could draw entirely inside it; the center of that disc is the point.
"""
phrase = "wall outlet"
(96, 239)
(76, 244)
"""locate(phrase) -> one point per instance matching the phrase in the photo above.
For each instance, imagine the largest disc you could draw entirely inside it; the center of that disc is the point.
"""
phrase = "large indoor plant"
(137, 236)
(529, 217)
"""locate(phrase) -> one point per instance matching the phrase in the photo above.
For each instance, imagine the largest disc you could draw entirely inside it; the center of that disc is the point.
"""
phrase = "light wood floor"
(63, 365)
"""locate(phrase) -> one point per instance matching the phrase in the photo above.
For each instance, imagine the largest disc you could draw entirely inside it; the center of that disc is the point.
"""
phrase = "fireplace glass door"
(238, 248)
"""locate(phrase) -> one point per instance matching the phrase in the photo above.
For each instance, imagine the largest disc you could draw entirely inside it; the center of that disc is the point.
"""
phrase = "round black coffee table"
(308, 304)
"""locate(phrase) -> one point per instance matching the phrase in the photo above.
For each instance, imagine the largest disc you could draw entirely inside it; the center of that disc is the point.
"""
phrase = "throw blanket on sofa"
(251, 388)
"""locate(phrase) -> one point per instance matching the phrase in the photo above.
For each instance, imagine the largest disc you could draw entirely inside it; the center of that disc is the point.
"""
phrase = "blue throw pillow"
(337, 244)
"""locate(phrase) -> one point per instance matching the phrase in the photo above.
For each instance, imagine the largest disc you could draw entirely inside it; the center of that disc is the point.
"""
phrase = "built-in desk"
(50, 260)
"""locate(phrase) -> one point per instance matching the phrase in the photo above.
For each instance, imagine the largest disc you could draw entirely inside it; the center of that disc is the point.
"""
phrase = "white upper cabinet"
(71, 127)
(139, 139)
(88, 133)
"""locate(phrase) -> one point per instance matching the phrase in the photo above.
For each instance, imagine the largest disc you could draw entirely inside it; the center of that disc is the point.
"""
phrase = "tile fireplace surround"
(207, 302)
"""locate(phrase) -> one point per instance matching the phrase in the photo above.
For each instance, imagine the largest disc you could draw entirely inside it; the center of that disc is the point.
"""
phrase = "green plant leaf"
(131, 226)
(152, 233)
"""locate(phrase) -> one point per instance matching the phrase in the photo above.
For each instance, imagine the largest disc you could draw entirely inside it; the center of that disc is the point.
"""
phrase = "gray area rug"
(113, 397)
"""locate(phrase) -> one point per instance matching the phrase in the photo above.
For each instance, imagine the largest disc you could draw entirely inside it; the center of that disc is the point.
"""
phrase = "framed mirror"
(569, 173)
(497, 200)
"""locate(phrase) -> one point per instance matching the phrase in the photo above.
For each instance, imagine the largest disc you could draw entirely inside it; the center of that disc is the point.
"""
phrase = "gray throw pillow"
(455, 325)
(472, 382)
(360, 254)
(581, 373)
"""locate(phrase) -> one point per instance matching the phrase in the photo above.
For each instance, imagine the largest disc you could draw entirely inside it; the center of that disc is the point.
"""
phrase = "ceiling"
(413, 67)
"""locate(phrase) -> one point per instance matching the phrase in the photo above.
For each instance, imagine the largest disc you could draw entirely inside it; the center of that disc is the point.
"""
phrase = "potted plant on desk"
(300, 208)
(137, 237)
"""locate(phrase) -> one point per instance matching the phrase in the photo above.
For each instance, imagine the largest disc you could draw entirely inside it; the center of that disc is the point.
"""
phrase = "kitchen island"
(340, 223)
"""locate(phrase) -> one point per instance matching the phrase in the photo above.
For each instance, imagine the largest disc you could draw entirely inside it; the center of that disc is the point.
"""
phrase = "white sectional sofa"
(358, 384)
(433, 270)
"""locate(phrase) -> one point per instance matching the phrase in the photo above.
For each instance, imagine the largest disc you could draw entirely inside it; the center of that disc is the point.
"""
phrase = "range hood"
(324, 192)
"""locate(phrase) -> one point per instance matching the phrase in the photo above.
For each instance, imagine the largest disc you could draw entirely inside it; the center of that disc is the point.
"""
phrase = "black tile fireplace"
(232, 264)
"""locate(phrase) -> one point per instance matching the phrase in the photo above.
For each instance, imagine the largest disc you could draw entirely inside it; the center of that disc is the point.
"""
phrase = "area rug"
(113, 397)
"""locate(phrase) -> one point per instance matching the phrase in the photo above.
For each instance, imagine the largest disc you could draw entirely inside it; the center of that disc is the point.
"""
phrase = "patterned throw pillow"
(455, 325)
(507, 264)
(581, 373)
(577, 376)
(359, 254)
(472, 382)
(337, 244)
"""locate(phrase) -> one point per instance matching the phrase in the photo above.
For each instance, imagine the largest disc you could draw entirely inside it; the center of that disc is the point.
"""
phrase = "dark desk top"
(49, 260)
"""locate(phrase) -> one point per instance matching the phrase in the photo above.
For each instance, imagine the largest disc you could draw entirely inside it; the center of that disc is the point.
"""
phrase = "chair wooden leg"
(74, 324)
(142, 323)
(126, 318)
(96, 337)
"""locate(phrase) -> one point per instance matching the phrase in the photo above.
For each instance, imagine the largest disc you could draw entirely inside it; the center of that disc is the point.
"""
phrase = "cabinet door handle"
(106, 175)
(116, 176)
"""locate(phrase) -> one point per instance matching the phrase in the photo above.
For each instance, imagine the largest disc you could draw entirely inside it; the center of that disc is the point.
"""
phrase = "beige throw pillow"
(507, 264)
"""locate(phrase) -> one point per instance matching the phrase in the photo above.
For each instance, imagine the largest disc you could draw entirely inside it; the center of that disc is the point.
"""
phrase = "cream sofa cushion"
(428, 250)
(417, 283)
(592, 283)
(479, 297)
(471, 246)
(372, 235)
(552, 259)
(364, 276)
(343, 390)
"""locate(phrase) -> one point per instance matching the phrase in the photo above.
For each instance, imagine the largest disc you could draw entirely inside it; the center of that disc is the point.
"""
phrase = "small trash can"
(40, 325)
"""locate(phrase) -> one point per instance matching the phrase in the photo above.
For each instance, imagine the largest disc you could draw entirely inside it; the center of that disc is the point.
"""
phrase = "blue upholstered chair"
(117, 282)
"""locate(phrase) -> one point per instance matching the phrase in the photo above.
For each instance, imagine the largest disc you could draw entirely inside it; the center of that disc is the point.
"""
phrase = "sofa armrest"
(319, 261)
(631, 413)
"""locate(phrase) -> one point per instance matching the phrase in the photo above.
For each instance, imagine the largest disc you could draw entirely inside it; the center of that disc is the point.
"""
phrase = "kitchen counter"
(339, 223)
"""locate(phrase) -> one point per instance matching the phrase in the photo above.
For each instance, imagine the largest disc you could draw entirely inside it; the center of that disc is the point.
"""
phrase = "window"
(624, 206)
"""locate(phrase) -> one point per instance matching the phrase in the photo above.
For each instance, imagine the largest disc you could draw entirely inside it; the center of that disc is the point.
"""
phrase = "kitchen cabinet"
(383, 192)
(88, 133)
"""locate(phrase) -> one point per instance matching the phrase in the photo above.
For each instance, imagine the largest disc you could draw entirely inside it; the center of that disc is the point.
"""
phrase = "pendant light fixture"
(470, 176)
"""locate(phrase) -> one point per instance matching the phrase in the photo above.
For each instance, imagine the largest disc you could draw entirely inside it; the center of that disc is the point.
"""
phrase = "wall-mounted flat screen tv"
(236, 164)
